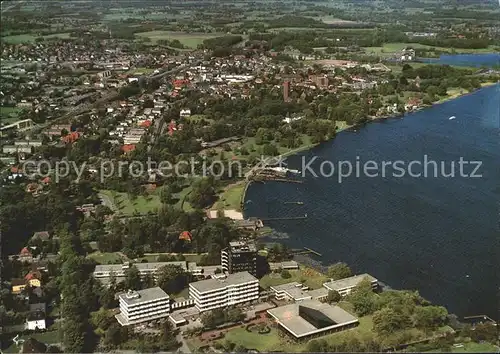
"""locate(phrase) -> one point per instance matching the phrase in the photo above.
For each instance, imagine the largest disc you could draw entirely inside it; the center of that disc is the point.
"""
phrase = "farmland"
(190, 40)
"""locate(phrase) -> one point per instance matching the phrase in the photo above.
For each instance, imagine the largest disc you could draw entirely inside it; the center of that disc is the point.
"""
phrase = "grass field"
(307, 276)
(127, 206)
(262, 342)
(231, 196)
(51, 337)
(30, 38)
(9, 115)
(190, 40)
(390, 48)
(106, 258)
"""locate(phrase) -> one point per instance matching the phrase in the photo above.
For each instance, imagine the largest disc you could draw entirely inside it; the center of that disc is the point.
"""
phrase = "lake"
(439, 235)
(477, 60)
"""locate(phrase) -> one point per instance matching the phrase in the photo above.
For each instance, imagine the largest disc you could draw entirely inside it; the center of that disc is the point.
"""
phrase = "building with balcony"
(225, 291)
(239, 257)
(143, 305)
(345, 286)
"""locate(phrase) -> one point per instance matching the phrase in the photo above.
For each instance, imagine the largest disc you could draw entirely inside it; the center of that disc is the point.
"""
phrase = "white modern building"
(143, 305)
(35, 321)
(297, 292)
(345, 286)
(221, 292)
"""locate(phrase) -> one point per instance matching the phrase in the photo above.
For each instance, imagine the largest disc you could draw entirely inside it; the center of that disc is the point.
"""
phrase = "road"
(10, 7)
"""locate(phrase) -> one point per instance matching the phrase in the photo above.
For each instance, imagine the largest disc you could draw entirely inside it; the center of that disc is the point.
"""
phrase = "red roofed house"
(25, 254)
(71, 137)
(178, 84)
(34, 278)
(145, 124)
(128, 148)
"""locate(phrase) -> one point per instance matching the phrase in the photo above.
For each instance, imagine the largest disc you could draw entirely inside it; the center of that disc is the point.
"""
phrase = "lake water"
(477, 60)
(436, 235)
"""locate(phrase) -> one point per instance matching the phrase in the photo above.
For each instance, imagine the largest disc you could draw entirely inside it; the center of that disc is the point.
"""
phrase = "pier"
(285, 218)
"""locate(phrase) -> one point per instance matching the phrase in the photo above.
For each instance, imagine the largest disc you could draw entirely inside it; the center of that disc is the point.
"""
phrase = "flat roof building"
(226, 291)
(312, 318)
(345, 286)
(143, 305)
(240, 256)
(295, 291)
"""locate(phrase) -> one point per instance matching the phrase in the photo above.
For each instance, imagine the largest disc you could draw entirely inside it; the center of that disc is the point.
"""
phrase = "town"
(99, 258)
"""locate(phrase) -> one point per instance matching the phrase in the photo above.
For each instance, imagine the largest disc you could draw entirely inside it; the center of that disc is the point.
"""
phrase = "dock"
(285, 218)
(312, 251)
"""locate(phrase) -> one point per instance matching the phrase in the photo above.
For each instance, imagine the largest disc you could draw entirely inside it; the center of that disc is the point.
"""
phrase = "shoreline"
(370, 120)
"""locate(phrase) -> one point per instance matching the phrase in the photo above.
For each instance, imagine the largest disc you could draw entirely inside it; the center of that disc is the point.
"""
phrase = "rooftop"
(137, 297)
(242, 246)
(348, 282)
(218, 284)
(140, 266)
(321, 317)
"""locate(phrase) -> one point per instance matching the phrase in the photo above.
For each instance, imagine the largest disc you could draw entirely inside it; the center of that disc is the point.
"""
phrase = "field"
(106, 258)
(51, 337)
(251, 340)
(9, 115)
(307, 276)
(30, 38)
(231, 196)
(190, 40)
(390, 48)
(127, 206)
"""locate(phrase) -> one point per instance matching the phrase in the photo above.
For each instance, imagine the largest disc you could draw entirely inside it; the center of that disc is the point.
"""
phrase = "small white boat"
(452, 117)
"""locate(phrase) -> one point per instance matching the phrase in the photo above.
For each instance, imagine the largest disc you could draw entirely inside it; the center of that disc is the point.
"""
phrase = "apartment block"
(226, 291)
(143, 305)
(240, 257)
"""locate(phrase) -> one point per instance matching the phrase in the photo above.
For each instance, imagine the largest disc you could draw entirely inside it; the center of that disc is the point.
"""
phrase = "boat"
(452, 117)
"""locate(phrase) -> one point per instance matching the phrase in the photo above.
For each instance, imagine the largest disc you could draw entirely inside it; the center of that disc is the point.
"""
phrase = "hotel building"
(239, 257)
(143, 305)
(226, 291)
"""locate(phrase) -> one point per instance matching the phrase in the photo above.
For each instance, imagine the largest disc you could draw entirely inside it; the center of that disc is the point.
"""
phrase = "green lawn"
(190, 40)
(127, 206)
(307, 276)
(390, 48)
(106, 258)
(230, 197)
(30, 38)
(9, 115)
(262, 342)
(20, 38)
(182, 203)
(51, 337)
(473, 347)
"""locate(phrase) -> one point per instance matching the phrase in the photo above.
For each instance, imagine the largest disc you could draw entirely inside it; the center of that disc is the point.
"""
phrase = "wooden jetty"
(285, 218)
(312, 251)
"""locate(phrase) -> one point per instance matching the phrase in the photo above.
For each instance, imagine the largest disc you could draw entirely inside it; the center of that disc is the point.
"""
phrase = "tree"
(234, 315)
(115, 335)
(166, 196)
(172, 279)
(429, 317)
(133, 278)
(285, 274)
(363, 298)
(387, 321)
(339, 270)
(168, 341)
(333, 296)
